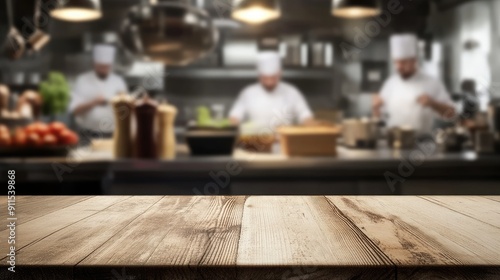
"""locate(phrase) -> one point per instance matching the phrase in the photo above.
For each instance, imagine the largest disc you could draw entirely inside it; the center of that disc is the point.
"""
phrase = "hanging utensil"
(39, 38)
(14, 45)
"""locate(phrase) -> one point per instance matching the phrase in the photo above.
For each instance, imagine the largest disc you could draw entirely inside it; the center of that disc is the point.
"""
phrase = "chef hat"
(104, 54)
(404, 46)
(268, 63)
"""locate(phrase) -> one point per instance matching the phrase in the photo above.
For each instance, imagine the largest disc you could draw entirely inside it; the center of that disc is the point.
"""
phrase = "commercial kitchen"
(250, 139)
(338, 63)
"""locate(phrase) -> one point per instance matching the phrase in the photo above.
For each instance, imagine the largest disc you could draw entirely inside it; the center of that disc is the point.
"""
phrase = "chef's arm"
(444, 110)
(234, 121)
(377, 104)
(237, 112)
(87, 106)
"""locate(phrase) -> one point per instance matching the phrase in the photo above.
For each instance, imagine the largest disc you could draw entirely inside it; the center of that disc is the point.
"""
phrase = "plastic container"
(309, 141)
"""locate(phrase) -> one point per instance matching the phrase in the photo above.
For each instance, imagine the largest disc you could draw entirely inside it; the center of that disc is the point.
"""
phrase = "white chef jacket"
(285, 105)
(400, 101)
(88, 87)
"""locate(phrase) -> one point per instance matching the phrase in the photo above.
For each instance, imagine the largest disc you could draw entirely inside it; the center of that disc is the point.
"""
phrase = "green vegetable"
(55, 94)
(205, 118)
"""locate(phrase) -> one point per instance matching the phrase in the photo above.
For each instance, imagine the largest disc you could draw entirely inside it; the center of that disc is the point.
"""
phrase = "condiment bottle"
(166, 131)
(145, 115)
(122, 137)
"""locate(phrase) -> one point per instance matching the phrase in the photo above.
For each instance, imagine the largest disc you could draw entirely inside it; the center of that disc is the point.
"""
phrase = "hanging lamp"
(256, 11)
(355, 8)
(77, 10)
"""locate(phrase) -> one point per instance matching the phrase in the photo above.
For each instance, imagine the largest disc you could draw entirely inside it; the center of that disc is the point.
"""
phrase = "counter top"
(91, 172)
(255, 237)
(345, 157)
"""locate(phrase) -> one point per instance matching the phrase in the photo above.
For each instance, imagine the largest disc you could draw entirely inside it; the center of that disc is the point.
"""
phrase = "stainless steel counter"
(381, 171)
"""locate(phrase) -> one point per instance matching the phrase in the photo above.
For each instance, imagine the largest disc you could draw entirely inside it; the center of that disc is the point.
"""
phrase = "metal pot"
(172, 32)
(360, 133)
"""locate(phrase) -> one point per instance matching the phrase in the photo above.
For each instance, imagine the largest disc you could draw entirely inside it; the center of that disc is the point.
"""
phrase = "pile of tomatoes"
(38, 135)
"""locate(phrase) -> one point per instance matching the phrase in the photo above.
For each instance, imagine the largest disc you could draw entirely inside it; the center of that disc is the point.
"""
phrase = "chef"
(411, 98)
(270, 102)
(92, 92)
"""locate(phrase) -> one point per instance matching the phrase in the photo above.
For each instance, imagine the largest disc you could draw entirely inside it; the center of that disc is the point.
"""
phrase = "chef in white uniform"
(92, 92)
(411, 98)
(270, 102)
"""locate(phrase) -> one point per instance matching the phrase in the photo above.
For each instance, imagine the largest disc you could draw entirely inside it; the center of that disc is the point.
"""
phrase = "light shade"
(78, 10)
(355, 8)
(256, 11)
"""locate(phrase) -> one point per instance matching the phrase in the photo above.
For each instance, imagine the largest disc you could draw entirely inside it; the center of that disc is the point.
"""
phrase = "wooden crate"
(309, 141)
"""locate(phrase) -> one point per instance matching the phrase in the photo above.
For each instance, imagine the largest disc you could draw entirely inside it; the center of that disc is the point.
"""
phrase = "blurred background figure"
(270, 102)
(92, 92)
(410, 97)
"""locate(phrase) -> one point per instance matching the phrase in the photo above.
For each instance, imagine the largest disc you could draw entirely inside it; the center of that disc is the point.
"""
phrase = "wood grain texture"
(301, 237)
(52, 221)
(476, 207)
(308, 232)
(416, 233)
(32, 207)
(185, 235)
(495, 198)
(73, 243)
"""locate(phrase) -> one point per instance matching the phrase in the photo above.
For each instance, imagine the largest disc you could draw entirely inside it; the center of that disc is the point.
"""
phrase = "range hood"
(173, 32)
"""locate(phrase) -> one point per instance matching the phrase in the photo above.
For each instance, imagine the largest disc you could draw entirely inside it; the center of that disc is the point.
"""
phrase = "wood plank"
(73, 243)
(38, 228)
(305, 238)
(425, 239)
(495, 198)
(188, 237)
(476, 207)
(32, 207)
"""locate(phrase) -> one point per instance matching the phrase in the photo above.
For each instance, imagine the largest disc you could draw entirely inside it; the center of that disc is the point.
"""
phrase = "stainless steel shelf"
(241, 73)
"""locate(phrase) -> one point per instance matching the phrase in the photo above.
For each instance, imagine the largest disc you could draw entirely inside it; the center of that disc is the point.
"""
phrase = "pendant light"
(355, 8)
(77, 10)
(256, 11)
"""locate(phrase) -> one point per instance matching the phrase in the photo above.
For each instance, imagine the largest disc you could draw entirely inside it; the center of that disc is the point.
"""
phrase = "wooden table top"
(256, 237)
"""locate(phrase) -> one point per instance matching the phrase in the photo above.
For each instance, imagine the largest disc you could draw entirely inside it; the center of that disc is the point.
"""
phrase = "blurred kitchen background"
(338, 63)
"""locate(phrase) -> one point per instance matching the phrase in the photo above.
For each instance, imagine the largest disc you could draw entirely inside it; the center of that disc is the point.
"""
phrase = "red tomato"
(56, 128)
(19, 138)
(31, 128)
(68, 137)
(41, 129)
(4, 129)
(5, 140)
(33, 139)
(49, 140)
